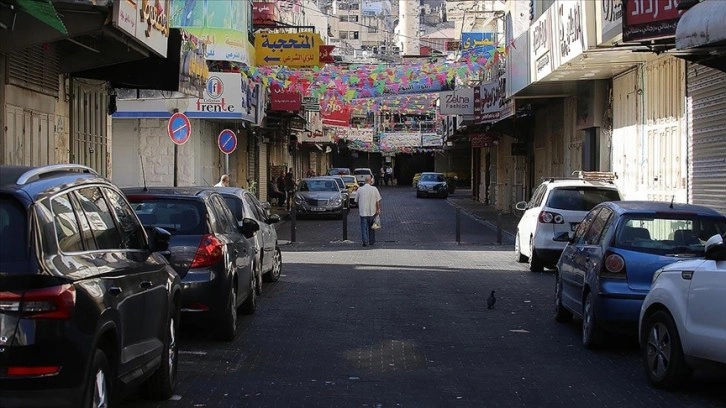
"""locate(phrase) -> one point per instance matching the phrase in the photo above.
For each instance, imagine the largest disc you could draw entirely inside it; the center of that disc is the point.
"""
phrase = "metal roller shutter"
(707, 127)
(36, 68)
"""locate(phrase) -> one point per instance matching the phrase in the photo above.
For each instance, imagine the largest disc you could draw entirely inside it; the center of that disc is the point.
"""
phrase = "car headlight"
(299, 199)
(421, 187)
(336, 200)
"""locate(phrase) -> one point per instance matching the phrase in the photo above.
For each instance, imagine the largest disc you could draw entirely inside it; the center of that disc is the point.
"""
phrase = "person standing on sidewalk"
(290, 187)
(369, 205)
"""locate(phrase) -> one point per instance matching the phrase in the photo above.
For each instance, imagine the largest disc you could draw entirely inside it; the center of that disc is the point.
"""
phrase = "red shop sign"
(326, 54)
(282, 99)
(263, 14)
(336, 114)
(650, 19)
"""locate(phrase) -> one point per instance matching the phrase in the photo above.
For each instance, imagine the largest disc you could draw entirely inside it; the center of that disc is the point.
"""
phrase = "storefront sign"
(486, 139)
(264, 14)
(431, 140)
(518, 66)
(459, 102)
(146, 21)
(326, 54)
(650, 19)
(313, 132)
(193, 70)
(541, 44)
(476, 40)
(222, 98)
(401, 139)
(282, 99)
(310, 104)
(611, 20)
(336, 114)
(289, 49)
(250, 99)
(570, 21)
(353, 134)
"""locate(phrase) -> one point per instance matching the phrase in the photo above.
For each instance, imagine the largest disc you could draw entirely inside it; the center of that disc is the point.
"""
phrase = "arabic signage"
(146, 21)
(193, 70)
(326, 54)
(310, 104)
(221, 24)
(314, 134)
(486, 139)
(431, 140)
(282, 99)
(476, 40)
(459, 102)
(569, 23)
(611, 21)
(353, 134)
(288, 49)
(650, 19)
(541, 45)
(264, 14)
(401, 139)
(452, 45)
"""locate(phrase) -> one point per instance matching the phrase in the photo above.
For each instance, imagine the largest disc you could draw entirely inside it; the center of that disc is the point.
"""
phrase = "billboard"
(288, 49)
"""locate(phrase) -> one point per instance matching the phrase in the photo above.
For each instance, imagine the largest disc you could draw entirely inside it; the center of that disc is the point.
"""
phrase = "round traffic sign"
(179, 128)
(227, 141)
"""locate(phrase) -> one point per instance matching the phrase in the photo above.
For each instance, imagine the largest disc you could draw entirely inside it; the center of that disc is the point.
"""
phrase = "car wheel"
(274, 274)
(518, 251)
(591, 333)
(562, 315)
(162, 383)
(250, 304)
(662, 351)
(98, 385)
(535, 264)
(228, 326)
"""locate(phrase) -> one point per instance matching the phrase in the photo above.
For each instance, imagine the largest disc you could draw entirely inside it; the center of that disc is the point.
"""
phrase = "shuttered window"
(35, 68)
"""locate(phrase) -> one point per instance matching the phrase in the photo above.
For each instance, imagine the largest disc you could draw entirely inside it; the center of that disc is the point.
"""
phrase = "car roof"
(552, 184)
(37, 180)
(431, 172)
(191, 191)
(652, 207)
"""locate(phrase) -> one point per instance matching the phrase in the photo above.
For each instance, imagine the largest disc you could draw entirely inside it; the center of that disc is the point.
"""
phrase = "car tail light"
(208, 253)
(55, 302)
(33, 371)
(613, 265)
(547, 217)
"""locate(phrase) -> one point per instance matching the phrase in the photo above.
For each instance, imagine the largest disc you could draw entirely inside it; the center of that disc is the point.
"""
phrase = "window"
(131, 231)
(580, 198)
(537, 196)
(352, 19)
(235, 204)
(253, 204)
(98, 214)
(343, 35)
(178, 216)
(599, 227)
(355, 35)
(225, 220)
(66, 225)
(584, 226)
(372, 29)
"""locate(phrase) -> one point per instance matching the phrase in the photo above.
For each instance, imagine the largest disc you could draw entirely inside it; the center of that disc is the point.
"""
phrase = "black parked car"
(268, 256)
(209, 250)
(89, 305)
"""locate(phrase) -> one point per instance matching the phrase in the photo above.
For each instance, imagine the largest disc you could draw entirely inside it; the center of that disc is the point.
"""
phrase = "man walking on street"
(290, 187)
(369, 205)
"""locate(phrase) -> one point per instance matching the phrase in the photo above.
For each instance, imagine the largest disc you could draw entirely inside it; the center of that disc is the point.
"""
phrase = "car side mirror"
(272, 219)
(521, 206)
(715, 248)
(158, 239)
(562, 237)
(248, 227)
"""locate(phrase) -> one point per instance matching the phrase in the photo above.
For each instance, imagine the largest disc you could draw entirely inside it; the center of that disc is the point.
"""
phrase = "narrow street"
(405, 323)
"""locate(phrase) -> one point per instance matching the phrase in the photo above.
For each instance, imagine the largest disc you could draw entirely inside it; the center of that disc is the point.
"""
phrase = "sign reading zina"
(289, 49)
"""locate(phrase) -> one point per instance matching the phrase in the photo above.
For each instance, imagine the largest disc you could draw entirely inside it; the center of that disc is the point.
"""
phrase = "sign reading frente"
(649, 19)
(288, 49)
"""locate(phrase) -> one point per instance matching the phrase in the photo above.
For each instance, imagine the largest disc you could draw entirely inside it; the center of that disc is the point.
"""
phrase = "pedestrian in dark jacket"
(290, 187)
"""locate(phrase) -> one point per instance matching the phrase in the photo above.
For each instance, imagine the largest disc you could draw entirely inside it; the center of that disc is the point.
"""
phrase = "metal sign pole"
(226, 163)
(345, 220)
(176, 165)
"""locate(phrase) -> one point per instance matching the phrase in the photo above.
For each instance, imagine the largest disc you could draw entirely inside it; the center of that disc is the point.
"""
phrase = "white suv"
(681, 320)
(558, 205)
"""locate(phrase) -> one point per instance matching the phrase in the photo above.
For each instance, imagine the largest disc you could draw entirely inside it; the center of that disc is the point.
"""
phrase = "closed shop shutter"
(707, 127)
(262, 181)
(253, 154)
(89, 131)
(36, 68)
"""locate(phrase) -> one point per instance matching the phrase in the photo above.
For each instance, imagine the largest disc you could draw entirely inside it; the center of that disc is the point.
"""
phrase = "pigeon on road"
(491, 300)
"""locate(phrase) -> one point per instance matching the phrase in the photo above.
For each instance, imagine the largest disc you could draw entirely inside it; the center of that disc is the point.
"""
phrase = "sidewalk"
(487, 214)
(462, 199)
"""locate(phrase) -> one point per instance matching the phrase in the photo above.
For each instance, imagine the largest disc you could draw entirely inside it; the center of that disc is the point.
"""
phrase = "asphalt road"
(405, 324)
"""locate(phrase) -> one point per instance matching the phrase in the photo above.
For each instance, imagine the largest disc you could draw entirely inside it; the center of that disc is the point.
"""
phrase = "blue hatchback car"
(606, 269)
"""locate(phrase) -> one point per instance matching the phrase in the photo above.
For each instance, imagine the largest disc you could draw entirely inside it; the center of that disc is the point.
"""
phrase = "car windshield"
(668, 234)
(580, 198)
(349, 179)
(432, 177)
(337, 171)
(318, 185)
(361, 172)
(178, 216)
(13, 232)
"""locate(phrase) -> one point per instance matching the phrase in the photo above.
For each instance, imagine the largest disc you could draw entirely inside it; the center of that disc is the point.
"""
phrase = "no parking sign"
(227, 141)
(179, 128)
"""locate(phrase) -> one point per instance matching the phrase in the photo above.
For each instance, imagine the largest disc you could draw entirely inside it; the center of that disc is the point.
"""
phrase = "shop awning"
(701, 34)
(44, 11)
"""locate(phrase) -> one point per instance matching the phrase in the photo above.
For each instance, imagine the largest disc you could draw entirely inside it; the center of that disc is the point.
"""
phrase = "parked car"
(338, 171)
(352, 184)
(432, 184)
(558, 205)
(361, 174)
(607, 267)
(89, 306)
(267, 251)
(681, 322)
(209, 251)
(318, 196)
